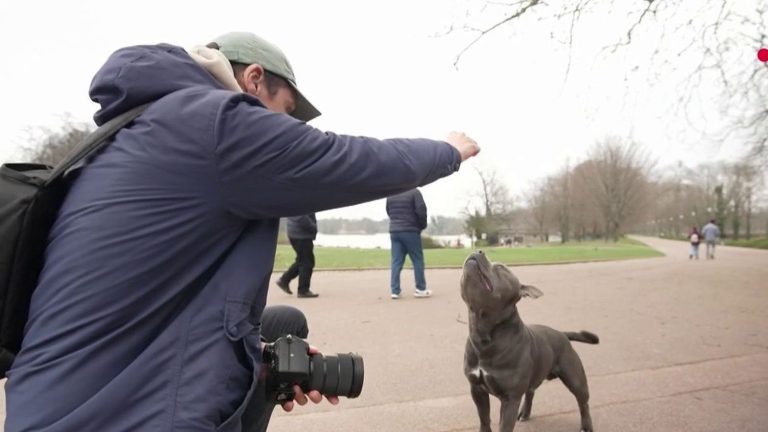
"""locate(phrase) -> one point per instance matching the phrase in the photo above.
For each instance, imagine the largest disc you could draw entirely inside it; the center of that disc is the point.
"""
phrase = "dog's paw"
(523, 418)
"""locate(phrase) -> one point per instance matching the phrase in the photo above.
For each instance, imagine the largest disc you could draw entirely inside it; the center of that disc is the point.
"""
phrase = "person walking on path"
(407, 218)
(695, 239)
(302, 231)
(711, 233)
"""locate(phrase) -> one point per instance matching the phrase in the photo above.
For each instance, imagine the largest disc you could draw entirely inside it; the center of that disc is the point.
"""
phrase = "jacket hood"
(137, 75)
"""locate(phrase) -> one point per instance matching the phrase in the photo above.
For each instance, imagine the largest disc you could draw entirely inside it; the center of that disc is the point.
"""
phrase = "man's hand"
(464, 144)
(301, 398)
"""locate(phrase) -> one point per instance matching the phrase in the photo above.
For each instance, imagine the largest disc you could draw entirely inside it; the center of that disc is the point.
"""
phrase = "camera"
(289, 363)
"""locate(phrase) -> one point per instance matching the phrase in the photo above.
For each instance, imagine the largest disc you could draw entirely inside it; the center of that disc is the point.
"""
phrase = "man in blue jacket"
(148, 311)
(407, 219)
(302, 231)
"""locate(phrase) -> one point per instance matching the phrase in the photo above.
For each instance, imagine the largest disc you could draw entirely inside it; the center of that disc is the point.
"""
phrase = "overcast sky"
(383, 69)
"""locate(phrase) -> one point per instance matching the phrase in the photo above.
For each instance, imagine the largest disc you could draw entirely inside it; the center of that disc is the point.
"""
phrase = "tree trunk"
(749, 214)
(720, 206)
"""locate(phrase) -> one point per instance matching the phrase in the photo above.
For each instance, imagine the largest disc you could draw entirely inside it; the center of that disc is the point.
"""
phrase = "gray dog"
(508, 359)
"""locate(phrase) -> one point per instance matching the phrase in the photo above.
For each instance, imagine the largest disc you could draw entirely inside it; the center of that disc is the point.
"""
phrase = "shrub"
(429, 243)
(758, 243)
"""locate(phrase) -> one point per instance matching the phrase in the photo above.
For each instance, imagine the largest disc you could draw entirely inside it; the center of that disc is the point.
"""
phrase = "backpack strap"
(95, 142)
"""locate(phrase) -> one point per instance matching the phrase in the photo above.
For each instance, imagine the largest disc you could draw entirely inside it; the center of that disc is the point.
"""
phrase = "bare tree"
(540, 209)
(493, 193)
(51, 146)
(566, 202)
(496, 204)
(721, 207)
(585, 215)
(684, 197)
(561, 187)
(753, 183)
(474, 225)
(703, 46)
(661, 209)
(444, 225)
(741, 179)
(620, 183)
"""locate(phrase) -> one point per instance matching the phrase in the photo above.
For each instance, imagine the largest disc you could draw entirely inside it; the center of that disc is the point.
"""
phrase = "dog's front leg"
(483, 405)
(509, 407)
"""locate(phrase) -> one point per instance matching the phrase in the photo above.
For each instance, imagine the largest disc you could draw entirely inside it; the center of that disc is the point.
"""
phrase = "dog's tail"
(583, 336)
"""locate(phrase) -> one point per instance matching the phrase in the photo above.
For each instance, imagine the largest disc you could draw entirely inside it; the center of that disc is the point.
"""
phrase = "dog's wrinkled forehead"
(505, 278)
(511, 278)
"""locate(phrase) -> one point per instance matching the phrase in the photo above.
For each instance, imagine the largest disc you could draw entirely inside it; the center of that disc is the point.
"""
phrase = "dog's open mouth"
(483, 277)
(486, 282)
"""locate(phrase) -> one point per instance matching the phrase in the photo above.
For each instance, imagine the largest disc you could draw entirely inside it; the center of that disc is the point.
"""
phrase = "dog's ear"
(530, 291)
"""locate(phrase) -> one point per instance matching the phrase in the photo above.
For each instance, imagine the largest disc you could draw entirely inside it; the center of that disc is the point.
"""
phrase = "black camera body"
(289, 363)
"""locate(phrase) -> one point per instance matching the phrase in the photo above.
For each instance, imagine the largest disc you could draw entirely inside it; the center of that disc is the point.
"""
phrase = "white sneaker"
(395, 296)
(422, 294)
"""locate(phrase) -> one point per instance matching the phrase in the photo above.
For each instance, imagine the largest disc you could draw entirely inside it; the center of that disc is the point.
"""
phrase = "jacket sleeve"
(421, 210)
(271, 165)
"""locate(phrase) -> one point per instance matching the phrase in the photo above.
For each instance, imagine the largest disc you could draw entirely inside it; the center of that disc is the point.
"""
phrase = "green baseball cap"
(247, 48)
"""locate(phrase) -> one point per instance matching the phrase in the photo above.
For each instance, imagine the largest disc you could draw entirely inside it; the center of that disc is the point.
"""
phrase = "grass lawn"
(755, 243)
(758, 243)
(351, 258)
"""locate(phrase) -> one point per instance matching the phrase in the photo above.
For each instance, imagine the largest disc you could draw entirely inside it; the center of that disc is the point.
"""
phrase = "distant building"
(515, 236)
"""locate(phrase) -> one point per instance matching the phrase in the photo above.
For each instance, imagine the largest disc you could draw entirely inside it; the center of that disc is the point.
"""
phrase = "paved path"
(683, 346)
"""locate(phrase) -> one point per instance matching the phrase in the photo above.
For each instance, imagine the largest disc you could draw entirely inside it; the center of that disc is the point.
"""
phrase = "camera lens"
(340, 375)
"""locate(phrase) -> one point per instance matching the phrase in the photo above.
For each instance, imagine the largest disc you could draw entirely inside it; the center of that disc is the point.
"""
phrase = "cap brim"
(304, 110)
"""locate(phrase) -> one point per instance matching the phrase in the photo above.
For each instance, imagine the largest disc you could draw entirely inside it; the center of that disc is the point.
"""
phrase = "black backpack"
(30, 197)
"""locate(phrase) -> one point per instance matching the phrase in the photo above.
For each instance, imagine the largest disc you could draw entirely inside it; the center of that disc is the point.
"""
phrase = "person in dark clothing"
(407, 219)
(148, 312)
(302, 231)
(695, 238)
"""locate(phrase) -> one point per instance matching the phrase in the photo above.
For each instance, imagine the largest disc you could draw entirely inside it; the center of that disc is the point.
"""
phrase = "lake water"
(379, 241)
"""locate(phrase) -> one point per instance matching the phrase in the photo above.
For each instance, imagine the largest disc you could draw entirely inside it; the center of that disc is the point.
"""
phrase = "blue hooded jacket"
(147, 312)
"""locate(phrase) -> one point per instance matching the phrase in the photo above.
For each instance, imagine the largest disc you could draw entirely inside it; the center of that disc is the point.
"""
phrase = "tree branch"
(634, 26)
(524, 9)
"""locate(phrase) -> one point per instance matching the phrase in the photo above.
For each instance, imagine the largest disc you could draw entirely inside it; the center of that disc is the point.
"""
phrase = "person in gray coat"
(407, 218)
(302, 231)
(711, 233)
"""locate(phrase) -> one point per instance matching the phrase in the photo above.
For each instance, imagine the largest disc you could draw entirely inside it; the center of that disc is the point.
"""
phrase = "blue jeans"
(407, 243)
(710, 249)
(694, 251)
